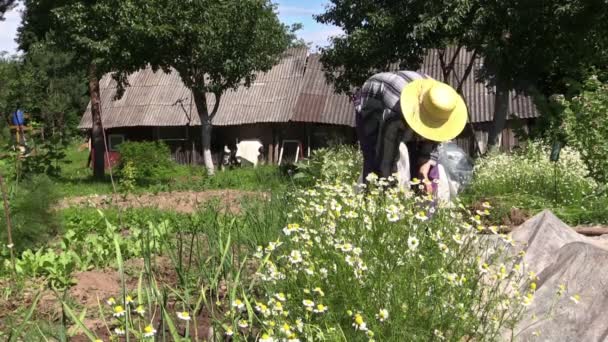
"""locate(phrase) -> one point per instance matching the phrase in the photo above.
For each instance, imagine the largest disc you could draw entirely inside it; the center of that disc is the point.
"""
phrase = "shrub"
(33, 217)
(586, 126)
(340, 163)
(529, 171)
(527, 179)
(147, 161)
(360, 266)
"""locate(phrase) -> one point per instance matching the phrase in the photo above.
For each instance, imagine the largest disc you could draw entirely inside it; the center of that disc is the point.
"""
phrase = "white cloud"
(297, 11)
(8, 30)
(321, 37)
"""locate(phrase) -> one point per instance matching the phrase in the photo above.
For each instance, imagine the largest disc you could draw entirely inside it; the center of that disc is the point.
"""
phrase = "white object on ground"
(249, 150)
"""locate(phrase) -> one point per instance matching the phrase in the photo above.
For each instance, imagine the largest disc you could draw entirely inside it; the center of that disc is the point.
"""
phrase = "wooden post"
(308, 129)
(9, 228)
(277, 147)
(270, 156)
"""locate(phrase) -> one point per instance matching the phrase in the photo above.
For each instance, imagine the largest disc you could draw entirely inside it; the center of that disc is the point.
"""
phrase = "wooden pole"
(9, 228)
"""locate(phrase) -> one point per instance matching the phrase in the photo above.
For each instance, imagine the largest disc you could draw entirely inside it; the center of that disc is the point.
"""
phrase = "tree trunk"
(501, 110)
(200, 98)
(97, 140)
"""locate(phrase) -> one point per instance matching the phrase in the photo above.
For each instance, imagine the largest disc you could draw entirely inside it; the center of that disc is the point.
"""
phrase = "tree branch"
(216, 105)
(467, 72)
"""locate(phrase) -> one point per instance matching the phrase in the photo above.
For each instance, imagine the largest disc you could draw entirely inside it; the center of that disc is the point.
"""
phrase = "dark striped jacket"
(380, 123)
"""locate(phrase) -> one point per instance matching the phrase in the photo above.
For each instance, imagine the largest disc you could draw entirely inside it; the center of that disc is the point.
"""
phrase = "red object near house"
(111, 158)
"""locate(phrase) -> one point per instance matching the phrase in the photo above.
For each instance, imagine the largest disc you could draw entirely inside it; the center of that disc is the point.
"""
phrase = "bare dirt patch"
(184, 202)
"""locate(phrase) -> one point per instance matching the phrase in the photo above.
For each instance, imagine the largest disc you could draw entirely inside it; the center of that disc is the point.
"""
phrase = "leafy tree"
(5, 6)
(44, 84)
(585, 126)
(521, 43)
(102, 37)
(215, 46)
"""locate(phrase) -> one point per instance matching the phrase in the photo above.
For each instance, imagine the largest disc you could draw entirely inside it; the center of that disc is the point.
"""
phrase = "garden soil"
(184, 202)
(560, 256)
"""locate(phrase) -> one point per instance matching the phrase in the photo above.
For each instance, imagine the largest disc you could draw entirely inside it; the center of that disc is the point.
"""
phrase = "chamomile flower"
(575, 299)
(243, 324)
(308, 304)
(382, 315)
(184, 316)
(527, 300)
(259, 253)
(262, 309)
(149, 331)
(119, 331)
(129, 300)
(421, 216)
(140, 310)
(359, 323)
(299, 325)
(119, 311)
(280, 297)
(320, 308)
(111, 301)
(318, 291)
(228, 331)
(10, 245)
(458, 239)
(486, 205)
(273, 245)
(392, 217)
(291, 228)
(266, 338)
(238, 304)
(286, 329)
(371, 178)
(295, 257)
(484, 268)
(413, 243)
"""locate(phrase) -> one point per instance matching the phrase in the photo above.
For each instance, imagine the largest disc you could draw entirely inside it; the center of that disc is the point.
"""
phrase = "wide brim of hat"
(424, 125)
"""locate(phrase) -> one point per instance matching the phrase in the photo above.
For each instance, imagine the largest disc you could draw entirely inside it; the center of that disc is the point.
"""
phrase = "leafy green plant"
(339, 163)
(32, 214)
(529, 181)
(585, 125)
(146, 161)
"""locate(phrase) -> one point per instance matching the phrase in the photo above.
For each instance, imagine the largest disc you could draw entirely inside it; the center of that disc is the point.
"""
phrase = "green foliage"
(529, 181)
(342, 163)
(146, 161)
(377, 34)
(5, 5)
(586, 118)
(44, 85)
(46, 157)
(32, 215)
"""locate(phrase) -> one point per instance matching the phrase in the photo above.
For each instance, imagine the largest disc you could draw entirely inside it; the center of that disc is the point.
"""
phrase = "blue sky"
(290, 11)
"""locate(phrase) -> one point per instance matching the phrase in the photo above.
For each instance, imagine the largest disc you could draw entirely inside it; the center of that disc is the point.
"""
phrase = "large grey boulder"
(560, 256)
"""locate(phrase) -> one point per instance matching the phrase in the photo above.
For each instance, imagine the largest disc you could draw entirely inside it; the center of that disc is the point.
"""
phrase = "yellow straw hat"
(433, 109)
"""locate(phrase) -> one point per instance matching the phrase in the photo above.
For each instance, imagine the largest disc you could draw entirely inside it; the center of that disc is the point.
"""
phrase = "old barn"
(290, 106)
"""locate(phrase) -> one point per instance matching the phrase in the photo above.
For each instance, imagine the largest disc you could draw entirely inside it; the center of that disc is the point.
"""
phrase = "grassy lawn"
(77, 180)
(523, 184)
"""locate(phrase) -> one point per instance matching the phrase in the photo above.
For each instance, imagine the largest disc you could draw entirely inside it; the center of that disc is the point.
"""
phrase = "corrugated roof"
(160, 99)
(478, 96)
(318, 102)
(271, 98)
(294, 90)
